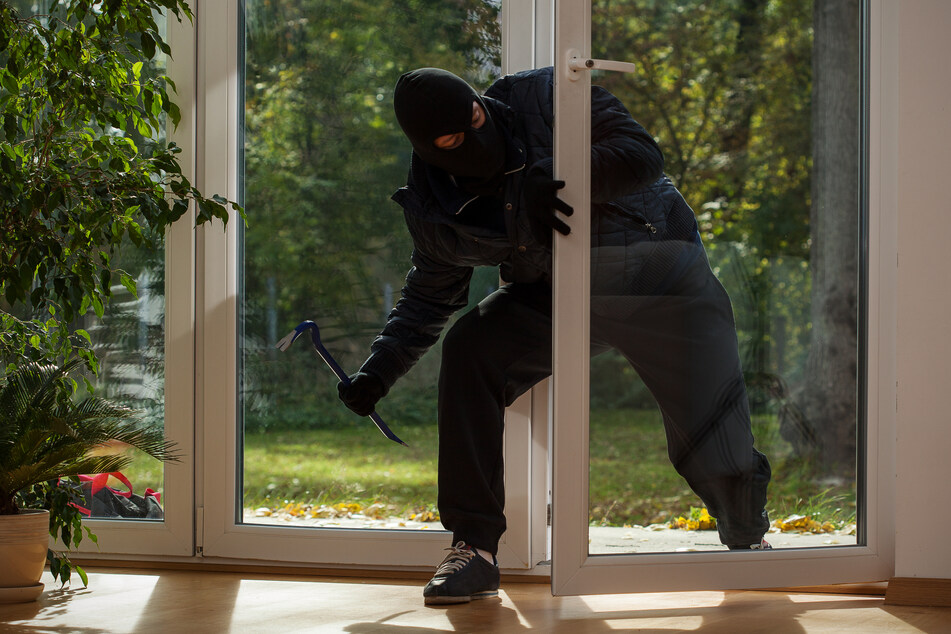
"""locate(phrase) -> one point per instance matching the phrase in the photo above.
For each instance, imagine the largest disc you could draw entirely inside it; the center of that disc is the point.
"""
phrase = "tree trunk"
(822, 418)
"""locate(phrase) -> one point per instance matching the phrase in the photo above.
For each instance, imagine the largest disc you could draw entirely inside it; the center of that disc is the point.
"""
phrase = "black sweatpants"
(682, 344)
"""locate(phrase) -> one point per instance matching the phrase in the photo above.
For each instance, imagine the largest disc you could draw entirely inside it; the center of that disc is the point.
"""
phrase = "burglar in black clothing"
(481, 192)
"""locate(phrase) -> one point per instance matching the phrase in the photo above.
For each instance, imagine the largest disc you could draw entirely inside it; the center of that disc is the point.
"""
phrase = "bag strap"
(99, 481)
(154, 494)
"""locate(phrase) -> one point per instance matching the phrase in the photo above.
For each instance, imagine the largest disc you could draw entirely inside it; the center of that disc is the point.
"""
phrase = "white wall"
(923, 449)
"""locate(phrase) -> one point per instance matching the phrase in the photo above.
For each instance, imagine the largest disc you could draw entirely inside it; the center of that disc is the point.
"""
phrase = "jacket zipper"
(645, 224)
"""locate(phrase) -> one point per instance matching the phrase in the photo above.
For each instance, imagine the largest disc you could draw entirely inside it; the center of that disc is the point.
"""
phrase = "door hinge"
(548, 519)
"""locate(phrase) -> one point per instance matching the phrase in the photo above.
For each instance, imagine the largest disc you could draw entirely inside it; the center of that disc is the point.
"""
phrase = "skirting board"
(919, 591)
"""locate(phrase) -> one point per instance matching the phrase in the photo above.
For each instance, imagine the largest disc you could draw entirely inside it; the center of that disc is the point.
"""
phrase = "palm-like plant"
(45, 435)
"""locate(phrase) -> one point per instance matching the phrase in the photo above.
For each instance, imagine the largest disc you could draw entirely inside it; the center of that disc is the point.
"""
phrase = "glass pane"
(322, 156)
(755, 106)
(130, 339)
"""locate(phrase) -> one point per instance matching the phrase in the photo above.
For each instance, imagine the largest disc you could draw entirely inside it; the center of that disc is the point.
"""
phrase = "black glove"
(539, 191)
(362, 394)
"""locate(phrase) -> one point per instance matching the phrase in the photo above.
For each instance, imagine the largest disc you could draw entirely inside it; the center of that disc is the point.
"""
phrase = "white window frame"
(574, 571)
(173, 536)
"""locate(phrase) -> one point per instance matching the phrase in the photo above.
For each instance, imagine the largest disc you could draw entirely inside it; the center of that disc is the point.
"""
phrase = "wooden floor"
(180, 602)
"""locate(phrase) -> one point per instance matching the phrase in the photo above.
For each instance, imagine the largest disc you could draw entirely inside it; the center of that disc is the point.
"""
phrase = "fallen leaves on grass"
(293, 510)
(699, 520)
(425, 516)
(803, 524)
(349, 510)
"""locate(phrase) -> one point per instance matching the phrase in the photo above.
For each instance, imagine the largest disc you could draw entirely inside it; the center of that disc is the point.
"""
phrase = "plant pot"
(24, 539)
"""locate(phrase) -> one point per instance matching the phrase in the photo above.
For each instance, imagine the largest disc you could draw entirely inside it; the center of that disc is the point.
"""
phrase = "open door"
(658, 555)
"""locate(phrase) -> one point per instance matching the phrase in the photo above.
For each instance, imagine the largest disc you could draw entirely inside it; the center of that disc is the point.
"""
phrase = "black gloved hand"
(541, 200)
(362, 394)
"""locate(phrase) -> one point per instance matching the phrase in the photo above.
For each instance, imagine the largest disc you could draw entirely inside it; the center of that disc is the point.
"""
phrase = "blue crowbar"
(286, 342)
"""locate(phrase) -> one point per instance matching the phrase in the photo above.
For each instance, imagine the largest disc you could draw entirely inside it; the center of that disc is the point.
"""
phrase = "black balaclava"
(430, 103)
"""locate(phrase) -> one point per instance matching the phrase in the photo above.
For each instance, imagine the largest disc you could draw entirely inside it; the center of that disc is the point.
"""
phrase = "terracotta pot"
(23, 542)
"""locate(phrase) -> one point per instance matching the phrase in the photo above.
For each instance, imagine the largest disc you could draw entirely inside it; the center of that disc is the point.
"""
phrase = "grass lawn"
(631, 479)
(347, 465)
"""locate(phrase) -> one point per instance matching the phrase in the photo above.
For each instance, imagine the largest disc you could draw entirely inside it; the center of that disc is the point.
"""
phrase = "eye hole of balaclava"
(430, 103)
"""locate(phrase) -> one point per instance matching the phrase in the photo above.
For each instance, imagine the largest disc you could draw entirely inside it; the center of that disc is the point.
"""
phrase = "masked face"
(448, 124)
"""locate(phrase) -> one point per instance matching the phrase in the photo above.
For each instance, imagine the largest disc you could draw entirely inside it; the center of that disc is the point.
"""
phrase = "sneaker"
(463, 576)
(763, 545)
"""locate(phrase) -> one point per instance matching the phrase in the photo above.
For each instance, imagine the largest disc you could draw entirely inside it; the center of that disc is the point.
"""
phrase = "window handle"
(577, 63)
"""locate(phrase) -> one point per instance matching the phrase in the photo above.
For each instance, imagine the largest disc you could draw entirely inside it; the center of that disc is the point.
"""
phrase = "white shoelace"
(459, 555)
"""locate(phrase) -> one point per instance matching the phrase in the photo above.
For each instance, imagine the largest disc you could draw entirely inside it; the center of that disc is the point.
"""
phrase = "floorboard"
(180, 601)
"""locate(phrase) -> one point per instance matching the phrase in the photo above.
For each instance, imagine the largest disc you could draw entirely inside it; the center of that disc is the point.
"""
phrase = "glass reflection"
(755, 106)
(323, 153)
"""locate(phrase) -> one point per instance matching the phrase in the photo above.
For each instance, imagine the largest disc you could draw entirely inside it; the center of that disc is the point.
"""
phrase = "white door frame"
(574, 571)
(220, 533)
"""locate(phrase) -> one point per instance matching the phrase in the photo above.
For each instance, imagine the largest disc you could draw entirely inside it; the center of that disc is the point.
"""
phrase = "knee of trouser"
(733, 464)
(718, 456)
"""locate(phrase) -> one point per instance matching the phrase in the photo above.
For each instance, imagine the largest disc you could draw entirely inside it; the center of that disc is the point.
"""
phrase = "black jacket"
(631, 204)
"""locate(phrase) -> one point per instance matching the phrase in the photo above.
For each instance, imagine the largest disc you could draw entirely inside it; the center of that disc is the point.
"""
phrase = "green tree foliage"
(323, 154)
(83, 169)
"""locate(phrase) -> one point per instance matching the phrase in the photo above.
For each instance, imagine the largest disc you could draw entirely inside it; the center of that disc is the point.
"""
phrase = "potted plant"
(46, 437)
(85, 169)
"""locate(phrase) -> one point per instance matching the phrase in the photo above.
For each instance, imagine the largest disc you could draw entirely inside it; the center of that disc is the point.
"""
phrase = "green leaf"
(174, 113)
(10, 127)
(9, 82)
(148, 45)
(55, 199)
(105, 282)
(97, 306)
(129, 282)
(82, 575)
(143, 128)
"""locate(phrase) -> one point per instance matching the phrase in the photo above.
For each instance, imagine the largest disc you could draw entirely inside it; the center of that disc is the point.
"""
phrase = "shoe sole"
(448, 600)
